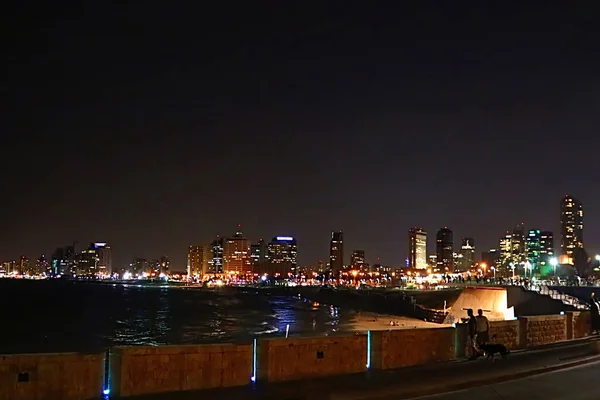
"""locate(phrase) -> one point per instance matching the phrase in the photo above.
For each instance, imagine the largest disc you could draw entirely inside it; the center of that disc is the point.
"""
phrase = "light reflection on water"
(89, 316)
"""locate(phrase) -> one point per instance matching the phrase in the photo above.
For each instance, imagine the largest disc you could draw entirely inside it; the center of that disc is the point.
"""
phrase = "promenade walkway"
(577, 383)
(412, 381)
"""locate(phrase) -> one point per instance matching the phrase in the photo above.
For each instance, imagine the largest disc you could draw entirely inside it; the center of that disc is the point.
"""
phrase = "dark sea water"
(59, 316)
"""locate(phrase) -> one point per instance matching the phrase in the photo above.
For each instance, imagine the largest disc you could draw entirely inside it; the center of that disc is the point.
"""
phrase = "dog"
(491, 349)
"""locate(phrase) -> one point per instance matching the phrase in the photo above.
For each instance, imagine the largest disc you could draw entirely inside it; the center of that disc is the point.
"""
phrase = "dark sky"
(153, 125)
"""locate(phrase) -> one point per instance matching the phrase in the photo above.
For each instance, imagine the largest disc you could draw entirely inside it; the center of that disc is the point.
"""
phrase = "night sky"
(153, 126)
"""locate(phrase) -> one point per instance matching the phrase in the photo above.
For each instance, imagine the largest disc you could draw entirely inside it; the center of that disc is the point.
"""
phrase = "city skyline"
(171, 126)
(516, 243)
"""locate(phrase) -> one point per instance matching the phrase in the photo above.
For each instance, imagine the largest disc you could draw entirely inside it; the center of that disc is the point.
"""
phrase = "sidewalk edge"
(441, 389)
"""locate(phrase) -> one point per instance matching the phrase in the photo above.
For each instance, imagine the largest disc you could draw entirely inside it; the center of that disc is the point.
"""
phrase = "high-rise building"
(104, 259)
(518, 245)
(357, 260)
(534, 250)
(23, 266)
(259, 252)
(417, 248)
(42, 266)
(194, 262)
(197, 261)
(283, 249)
(236, 255)
(506, 250)
(546, 251)
(140, 267)
(466, 254)
(63, 260)
(444, 249)
(432, 260)
(87, 262)
(215, 265)
(491, 258)
(571, 228)
(164, 265)
(336, 252)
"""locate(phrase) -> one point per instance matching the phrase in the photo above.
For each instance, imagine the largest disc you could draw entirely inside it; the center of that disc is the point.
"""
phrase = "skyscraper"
(236, 255)
(546, 251)
(259, 252)
(534, 249)
(466, 254)
(283, 249)
(336, 252)
(571, 228)
(518, 245)
(444, 249)
(417, 248)
(198, 260)
(505, 250)
(357, 259)
(215, 265)
(104, 254)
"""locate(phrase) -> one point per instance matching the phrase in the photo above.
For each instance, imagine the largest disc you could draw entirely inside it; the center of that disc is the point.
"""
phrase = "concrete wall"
(65, 376)
(140, 370)
(579, 324)
(505, 332)
(298, 358)
(543, 329)
(402, 348)
(527, 302)
(493, 300)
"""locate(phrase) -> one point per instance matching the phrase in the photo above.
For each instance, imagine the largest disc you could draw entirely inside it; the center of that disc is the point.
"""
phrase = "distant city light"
(285, 238)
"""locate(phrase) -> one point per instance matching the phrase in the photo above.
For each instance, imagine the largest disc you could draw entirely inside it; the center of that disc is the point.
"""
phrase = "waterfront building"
(283, 249)
(104, 254)
(432, 258)
(139, 267)
(546, 252)
(336, 252)
(491, 258)
(357, 260)
(215, 265)
(87, 262)
(505, 250)
(63, 260)
(466, 255)
(571, 228)
(417, 248)
(534, 250)
(42, 266)
(444, 249)
(518, 245)
(236, 255)
(259, 252)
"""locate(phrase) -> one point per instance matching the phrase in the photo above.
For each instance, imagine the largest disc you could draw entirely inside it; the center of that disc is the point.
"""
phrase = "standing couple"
(479, 332)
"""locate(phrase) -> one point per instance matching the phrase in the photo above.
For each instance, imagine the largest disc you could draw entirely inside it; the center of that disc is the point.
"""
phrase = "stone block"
(406, 347)
(138, 370)
(298, 358)
(65, 376)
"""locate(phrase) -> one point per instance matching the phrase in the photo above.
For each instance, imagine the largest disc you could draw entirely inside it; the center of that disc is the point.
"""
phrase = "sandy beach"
(366, 321)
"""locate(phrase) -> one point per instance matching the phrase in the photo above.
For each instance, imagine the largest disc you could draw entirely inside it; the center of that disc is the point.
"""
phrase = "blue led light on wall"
(368, 349)
(253, 377)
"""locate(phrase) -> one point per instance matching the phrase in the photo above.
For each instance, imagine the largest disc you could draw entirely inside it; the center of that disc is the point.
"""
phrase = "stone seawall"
(146, 370)
(298, 358)
(539, 330)
(403, 348)
(137, 370)
(65, 376)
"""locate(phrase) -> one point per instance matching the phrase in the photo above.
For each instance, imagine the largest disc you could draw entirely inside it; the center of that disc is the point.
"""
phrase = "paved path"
(579, 383)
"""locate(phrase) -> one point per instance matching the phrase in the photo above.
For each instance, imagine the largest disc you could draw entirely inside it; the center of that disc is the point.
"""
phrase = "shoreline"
(370, 321)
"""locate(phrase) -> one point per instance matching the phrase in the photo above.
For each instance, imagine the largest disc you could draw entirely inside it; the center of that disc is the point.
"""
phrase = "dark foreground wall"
(146, 370)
